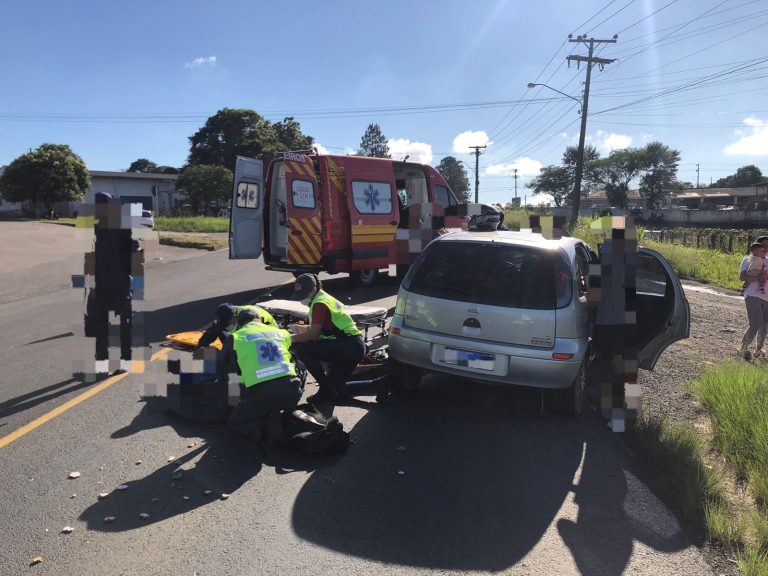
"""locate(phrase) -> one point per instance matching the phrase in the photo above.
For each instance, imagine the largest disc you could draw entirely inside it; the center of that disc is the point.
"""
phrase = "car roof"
(509, 237)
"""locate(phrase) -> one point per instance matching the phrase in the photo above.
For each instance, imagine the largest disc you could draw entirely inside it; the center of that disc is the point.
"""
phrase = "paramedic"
(268, 381)
(226, 317)
(332, 338)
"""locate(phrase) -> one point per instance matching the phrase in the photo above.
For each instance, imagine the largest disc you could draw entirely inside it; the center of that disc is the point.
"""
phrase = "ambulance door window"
(303, 194)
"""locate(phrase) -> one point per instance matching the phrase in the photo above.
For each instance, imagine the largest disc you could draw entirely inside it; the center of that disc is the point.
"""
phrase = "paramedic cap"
(247, 315)
(225, 312)
(304, 286)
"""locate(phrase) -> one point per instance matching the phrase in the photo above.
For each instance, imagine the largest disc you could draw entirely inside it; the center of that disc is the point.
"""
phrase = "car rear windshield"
(495, 274)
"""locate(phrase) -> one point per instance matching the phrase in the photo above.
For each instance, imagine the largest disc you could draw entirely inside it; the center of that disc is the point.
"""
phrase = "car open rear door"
(663, 314)
(246, 222)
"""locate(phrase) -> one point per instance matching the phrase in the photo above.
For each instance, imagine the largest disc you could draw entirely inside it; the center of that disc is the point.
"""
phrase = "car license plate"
(480, 360)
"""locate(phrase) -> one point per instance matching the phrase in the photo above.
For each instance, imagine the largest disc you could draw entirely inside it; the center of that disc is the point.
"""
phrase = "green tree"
(374, 143)
(167, 170)
(660, 173)
(557, 181)
(51, 173)
(205, 184)
(142, 165)
(235, 131)
(617, 171)
(456, 177)
(745, 176)
(590, 177)
(290, 137)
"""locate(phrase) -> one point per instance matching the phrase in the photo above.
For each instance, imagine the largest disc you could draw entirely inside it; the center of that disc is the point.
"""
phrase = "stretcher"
(366, 317)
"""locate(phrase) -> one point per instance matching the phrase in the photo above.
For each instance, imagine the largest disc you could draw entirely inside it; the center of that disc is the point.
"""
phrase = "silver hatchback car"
(511, 308)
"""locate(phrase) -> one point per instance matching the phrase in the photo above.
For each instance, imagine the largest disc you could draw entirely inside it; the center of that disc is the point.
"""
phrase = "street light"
(580, 155)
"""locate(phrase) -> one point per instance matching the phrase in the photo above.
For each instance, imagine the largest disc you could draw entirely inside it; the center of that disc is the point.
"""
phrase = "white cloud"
(320, 148)
(462, 142)
(399, 148)
(526, 168)
(199, 62)
(350, 152)
(609, 141)
(754, 143)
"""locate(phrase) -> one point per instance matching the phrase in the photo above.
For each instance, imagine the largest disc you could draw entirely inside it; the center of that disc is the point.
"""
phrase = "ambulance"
(338, 214)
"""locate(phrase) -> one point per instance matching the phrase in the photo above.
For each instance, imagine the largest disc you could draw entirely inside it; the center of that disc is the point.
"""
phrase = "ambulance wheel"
(365, 277)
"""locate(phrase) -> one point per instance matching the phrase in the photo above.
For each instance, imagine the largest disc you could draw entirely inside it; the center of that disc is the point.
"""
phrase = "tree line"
(54, 173)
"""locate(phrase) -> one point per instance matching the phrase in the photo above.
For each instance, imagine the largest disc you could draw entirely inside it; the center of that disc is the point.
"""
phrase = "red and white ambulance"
(352, 214)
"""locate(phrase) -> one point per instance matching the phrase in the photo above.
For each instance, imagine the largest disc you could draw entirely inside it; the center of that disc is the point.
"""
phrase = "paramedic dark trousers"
(101, 326)
(257, 401)
(343, 355)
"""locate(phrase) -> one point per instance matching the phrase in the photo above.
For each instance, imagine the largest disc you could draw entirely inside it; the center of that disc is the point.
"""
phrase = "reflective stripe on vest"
(266, 317)
(263, 353)
(340, 319)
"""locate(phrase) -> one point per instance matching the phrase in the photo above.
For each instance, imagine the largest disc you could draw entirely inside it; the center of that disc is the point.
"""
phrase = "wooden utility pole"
(697, 175)
(477, 168)
(515, 183)
(590, 60)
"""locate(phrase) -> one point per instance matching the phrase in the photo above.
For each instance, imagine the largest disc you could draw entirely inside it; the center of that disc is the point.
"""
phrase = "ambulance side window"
(443, 197)
(372, 197)
(303, 193)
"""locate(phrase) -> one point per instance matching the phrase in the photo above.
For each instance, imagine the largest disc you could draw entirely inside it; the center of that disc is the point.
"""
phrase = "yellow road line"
(103, 385)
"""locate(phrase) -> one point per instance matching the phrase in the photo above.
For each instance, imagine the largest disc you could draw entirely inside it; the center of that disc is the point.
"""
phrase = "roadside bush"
(702, 264)
(192, 224)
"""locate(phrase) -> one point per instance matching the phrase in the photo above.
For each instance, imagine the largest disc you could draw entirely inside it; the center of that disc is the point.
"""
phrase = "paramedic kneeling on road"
(226, 318)
(332, 338)
(268, 381)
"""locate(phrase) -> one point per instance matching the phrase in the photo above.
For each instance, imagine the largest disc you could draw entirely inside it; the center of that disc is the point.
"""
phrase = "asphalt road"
(486, 486)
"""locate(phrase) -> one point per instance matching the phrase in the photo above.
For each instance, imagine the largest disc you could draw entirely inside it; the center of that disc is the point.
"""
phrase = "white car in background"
(147, 219)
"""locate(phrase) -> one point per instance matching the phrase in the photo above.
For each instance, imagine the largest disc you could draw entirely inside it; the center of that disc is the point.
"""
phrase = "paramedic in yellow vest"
(332, 338)
(268, 381)
(226, 319)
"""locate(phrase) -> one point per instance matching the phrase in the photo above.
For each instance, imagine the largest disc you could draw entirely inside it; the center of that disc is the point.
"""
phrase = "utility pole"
(697, 175)
(590, 60)
(477, 168)
(515, 183)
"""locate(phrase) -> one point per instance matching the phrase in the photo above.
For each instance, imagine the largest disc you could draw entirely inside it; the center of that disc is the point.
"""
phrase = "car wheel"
(403, 379)
(571, 399)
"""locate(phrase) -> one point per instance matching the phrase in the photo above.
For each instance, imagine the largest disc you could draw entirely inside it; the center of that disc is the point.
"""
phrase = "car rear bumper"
(511, 365)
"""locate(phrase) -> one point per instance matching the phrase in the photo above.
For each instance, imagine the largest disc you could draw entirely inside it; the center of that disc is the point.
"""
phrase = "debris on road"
(208, 492)
(143, 515)
(121, 487)
(401, 472)
(109, 519)
(224, 496)
(103, 495)
(171, 458)
(67, 530)
(185, 497)
(192, 445)
(73, 496)
(401, 448)
(138, 462)
(36, 560)
(73, 475)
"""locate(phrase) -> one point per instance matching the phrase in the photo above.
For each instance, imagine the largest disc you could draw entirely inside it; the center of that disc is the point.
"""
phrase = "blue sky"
(120, 81)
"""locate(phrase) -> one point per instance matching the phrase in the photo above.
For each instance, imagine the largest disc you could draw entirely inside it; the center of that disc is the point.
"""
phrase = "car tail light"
(562, 356)
(394, 330)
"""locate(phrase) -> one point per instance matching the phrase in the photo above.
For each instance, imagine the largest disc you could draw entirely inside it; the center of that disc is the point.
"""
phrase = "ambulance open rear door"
(246, 222)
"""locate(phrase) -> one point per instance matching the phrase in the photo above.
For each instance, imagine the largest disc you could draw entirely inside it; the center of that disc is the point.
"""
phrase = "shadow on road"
(483, 478)
(36, 397)
(221, 463)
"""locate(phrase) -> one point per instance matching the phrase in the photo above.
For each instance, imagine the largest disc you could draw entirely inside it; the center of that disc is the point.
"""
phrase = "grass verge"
(702, 488)
(197, 242)
(195, 224)
(675, 449)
